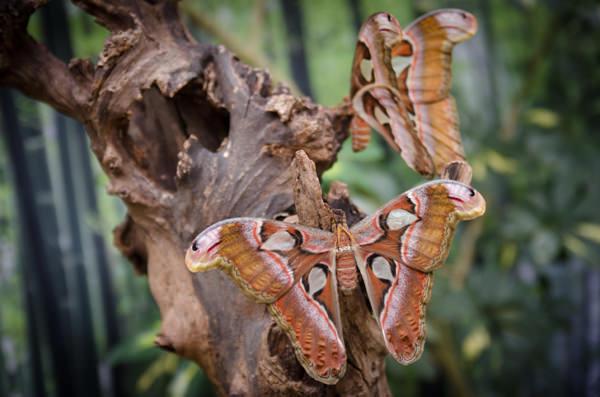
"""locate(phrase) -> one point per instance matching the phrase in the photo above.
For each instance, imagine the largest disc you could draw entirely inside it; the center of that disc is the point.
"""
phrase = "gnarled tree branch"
(188, 135)
(29, 67)
(363, 339)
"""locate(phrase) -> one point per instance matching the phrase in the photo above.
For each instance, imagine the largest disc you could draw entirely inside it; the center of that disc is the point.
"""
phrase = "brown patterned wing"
(398, 297)
(381, 107)
(437, 124)
(289, 267)
(416, 228)
(363, 68)
(362, 71)
(375, 95)
(433, 37)
(373, 106)
(397, 249)
(309, 313)
(376, 38)
(265, 258)
(428, 79)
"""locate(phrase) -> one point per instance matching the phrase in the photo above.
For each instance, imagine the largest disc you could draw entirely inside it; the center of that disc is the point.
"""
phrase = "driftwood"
(188, 135)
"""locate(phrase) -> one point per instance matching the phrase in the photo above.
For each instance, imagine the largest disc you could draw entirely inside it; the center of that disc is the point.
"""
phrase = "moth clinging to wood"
(299, 271)
(412, 108)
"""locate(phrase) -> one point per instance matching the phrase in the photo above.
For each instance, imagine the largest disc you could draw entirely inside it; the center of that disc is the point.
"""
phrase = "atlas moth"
(299, 271)
(412, 108)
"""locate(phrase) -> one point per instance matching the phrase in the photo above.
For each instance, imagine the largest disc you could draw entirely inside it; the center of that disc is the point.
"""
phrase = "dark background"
(516, 311)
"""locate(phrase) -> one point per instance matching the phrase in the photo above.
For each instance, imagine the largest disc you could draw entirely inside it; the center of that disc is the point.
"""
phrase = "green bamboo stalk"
(294, 24)
(42, 272)
(78, 246)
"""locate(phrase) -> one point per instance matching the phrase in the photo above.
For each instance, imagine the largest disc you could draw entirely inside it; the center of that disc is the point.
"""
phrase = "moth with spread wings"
(413, 110)
(298, 270)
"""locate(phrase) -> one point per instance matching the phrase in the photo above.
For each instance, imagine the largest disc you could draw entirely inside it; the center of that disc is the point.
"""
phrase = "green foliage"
(159, 372)
(542, 214)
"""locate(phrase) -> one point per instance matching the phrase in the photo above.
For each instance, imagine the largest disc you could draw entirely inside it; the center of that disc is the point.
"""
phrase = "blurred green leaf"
(501, 163)
(544, 118)
(180, 385)
(165, 364)
(544, 246)
(576, 246)
(476, 342)
(590, 231)
(136, 348)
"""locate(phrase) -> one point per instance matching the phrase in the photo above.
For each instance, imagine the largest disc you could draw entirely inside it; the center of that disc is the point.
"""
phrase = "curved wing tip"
(196, 266)
(331, 378)
(409, 360)
(404, 359)
(470, 27)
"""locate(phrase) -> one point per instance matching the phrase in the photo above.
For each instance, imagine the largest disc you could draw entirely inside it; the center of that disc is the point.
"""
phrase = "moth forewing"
(361, 264)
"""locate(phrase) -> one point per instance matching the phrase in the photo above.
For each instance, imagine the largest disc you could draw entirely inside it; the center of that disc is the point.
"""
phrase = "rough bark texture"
(188, 136)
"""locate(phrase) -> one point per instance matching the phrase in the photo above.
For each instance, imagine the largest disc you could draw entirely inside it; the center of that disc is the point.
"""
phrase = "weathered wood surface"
(188, 135)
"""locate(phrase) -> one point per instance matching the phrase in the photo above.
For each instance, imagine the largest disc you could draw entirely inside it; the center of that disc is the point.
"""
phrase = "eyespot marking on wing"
(399, 218)
(280, 241)
(317, 279)
(383, 269)
(366, 69)
(381, 116)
